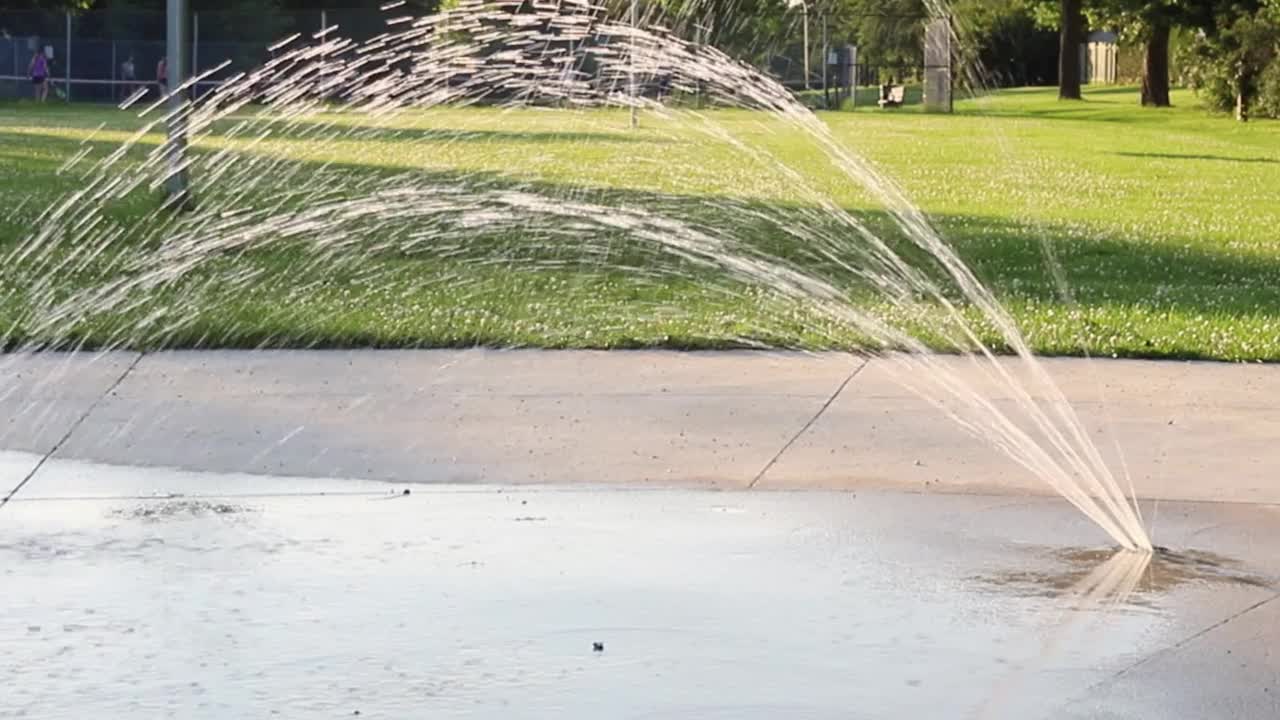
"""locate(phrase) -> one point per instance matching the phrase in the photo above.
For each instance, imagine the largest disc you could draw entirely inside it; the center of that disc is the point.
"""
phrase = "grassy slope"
(1163, 222)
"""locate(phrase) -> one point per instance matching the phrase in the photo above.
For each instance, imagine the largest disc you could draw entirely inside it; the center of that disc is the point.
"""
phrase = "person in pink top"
(39, 72)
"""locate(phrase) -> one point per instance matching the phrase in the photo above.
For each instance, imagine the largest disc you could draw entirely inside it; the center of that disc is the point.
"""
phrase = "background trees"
(1234, 62)
(1229, 50)
(1232, 58)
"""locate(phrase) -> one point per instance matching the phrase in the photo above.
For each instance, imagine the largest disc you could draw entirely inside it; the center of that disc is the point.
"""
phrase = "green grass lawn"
(1162, 222)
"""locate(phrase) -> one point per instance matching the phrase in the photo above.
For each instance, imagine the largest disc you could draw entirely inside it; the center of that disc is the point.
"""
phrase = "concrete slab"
(1212, 663)
(474, 416)
(43, 395)
(1189, 431)
(14, 468)
(1213, 660)
(486, 602)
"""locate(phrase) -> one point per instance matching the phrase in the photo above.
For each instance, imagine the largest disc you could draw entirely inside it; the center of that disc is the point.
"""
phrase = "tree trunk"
(1155, 66)
(1244, 85)
(1069, 50)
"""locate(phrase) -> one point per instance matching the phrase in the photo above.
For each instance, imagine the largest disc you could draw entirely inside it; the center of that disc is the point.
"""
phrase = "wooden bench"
(894, 98)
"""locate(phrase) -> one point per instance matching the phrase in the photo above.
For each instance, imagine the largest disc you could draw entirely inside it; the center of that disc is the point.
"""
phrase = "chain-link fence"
(104, 56)
(842, 68)
(836, 75)
(838, 79)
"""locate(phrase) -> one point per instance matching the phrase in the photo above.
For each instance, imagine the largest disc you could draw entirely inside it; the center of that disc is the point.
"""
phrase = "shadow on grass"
(446, 135)
(1102, 271)
(1099, 104)
(1179, 156)
(1115, 91)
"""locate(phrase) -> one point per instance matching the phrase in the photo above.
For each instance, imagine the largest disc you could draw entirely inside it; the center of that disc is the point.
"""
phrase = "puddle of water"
(489, 604)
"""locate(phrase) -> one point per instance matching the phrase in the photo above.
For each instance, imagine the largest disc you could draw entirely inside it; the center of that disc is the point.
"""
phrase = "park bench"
(892, 96)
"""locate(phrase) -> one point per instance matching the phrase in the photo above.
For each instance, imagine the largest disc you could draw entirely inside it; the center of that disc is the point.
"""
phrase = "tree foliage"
(888, 33)
(1235, 61)
(748, 29)
(46, 5)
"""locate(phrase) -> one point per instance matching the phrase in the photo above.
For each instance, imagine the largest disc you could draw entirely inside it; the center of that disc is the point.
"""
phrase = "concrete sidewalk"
(1189, 431)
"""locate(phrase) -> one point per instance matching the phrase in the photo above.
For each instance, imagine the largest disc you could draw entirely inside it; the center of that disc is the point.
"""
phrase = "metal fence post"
(853, 77)
(67, 71)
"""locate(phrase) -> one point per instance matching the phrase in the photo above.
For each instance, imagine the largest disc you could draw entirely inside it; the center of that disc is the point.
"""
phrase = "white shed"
(1098, 57)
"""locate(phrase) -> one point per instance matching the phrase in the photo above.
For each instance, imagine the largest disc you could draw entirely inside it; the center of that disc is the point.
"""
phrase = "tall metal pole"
(826, 90)
(195, 51)
(635, 111)
(67, 69)
(324, 38)
(807, 82)
(176, 75)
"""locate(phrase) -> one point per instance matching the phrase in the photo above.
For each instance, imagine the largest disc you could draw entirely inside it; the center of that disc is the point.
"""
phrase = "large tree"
(1150, 24)
(1068, 18)
(1155, 63)
(1070, 37)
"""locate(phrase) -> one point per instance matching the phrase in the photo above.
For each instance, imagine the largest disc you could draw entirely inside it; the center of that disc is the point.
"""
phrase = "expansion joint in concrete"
(70, 431)
(1188, 640)
(778, 456)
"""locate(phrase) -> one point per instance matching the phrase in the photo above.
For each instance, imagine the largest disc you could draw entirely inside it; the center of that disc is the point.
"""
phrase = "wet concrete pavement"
(268, 598)
(211, 535)
(1189, 431)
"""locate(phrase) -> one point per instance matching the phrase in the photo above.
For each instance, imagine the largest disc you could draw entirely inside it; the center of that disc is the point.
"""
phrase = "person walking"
(129, 74)
(162, 75)
(38, 70)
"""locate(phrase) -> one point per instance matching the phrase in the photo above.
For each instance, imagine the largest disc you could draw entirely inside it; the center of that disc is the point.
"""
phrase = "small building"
(1098, 58)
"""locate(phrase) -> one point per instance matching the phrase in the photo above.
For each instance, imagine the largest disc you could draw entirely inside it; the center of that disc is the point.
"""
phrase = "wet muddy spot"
(179, 509)
(1119, 576)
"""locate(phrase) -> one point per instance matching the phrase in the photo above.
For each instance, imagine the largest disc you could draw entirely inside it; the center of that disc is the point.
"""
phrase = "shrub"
(1268, 102)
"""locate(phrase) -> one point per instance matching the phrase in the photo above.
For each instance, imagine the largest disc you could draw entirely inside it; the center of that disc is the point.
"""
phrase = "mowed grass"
(1104, 227)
